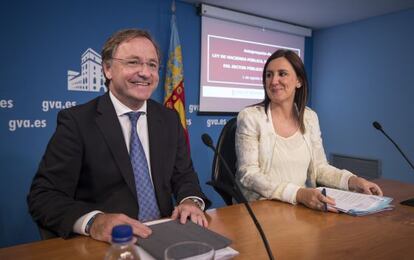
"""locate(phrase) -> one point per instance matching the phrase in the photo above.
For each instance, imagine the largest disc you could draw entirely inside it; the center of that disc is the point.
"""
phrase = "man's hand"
(313, 198)
(361, 185)
(101, 228)
(188, 208)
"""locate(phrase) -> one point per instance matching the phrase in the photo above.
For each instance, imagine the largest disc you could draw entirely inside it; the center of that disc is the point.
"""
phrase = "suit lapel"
(156, 134)
(108, 123)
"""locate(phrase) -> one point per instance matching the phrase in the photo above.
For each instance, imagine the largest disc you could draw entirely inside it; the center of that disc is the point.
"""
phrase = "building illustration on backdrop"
(91, 77)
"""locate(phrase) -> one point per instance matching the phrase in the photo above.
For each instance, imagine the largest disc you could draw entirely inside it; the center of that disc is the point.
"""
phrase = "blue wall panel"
(363, 72)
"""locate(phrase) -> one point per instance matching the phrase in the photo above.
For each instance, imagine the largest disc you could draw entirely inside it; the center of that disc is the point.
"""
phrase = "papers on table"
(358, 204)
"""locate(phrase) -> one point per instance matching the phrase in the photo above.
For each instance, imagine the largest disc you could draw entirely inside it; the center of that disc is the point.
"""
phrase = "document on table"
(358, 204)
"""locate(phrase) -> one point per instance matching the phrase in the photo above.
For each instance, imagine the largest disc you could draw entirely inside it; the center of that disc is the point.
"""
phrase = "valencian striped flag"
(174, 78)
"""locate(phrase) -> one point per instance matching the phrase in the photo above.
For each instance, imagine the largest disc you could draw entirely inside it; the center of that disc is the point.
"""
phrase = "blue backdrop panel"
(364, 72)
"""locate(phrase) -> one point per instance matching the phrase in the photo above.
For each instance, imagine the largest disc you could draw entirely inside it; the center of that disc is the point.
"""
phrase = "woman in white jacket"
(278, 142)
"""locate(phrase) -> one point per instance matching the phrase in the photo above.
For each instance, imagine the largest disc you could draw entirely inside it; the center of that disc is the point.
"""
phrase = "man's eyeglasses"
(138, 64)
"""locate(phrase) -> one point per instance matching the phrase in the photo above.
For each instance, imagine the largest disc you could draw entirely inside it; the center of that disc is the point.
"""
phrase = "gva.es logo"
(91, 77)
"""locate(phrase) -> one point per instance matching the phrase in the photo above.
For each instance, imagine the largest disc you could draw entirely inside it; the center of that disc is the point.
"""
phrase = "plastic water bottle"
(122, 244)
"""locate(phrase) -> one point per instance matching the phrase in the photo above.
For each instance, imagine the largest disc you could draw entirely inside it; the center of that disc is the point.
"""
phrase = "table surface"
(293, 232)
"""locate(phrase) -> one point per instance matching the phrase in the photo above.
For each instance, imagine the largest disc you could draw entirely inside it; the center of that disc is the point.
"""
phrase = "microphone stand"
(409, 202)
(240, 196)
(398, 148)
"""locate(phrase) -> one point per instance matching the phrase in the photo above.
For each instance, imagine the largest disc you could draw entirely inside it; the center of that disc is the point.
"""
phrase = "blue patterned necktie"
(148, 207)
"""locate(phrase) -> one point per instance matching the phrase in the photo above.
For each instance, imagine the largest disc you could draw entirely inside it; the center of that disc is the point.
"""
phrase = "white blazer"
(255, 144)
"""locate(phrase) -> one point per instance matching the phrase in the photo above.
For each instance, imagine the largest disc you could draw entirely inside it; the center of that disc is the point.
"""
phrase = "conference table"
(293, 232)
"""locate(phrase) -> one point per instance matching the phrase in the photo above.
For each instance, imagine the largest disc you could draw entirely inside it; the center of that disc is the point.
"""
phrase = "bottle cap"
(121, 233)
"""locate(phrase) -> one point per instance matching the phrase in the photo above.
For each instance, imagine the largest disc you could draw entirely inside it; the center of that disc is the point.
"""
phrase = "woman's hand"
(361, 185)
(313, 198)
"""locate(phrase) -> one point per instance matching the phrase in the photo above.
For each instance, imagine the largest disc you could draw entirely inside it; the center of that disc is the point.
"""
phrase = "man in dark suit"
(89, 178)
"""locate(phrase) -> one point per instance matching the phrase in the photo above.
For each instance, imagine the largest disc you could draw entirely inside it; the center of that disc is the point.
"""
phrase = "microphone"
(379, 128)
(234, 191)
(239, 195)
(409, 202)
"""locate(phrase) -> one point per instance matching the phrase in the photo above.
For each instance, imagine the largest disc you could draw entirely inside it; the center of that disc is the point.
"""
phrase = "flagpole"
(174, 96)
(173, 7)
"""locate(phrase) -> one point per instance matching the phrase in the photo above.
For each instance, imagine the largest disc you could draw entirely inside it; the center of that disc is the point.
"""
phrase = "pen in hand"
(325, 206)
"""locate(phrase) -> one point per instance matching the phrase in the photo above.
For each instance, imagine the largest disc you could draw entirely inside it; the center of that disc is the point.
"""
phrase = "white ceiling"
(314, 14)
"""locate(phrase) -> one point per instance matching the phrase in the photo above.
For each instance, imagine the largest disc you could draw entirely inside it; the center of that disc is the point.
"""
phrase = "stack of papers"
(358, 204)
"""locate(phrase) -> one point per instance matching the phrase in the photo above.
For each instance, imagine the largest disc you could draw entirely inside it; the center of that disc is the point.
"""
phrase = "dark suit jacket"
(86, 166)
